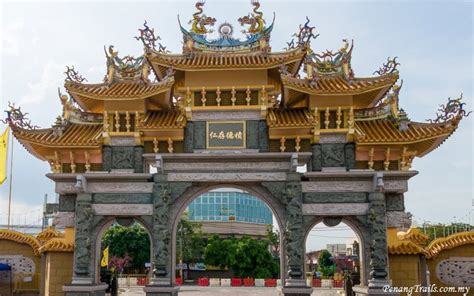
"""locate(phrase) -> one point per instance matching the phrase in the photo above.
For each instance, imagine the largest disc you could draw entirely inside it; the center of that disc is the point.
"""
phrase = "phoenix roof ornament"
(303, 37)
(454, 109)
(17, 118)
(73, 75)
(389, 67)
(149, 39)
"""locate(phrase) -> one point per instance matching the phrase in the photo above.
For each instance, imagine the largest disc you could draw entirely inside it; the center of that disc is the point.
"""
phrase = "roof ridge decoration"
(127, 68)
(449, 242)
(303, 37)
(329, 63)
(17, 119)
(389, 67)
(257, 34)
(149, 39)
(73, 113)
(73, 75)
(453, 111)
(21, 238)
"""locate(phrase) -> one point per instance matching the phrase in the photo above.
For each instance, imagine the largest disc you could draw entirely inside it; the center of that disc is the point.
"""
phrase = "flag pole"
(10, 185)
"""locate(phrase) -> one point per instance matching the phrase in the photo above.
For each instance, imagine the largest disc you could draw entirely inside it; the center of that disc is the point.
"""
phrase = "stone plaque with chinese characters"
(225, 135)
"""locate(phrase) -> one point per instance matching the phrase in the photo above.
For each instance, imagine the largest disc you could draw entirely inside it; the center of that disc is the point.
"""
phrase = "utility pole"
(10, 185)
(45, 220)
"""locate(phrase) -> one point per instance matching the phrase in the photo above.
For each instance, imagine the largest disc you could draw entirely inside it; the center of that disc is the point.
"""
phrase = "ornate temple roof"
(92, 96)
(425, 136)
(22, 238)
(225, 60)
(164, 120)
(290, 118)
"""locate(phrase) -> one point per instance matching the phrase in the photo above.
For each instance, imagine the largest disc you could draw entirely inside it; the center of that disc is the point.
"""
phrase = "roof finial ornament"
(149, 39)
(73, 75)
(304, 36)
(17, 118)
(255, 20)
(389, 67)
(453, 110)
(200, 20)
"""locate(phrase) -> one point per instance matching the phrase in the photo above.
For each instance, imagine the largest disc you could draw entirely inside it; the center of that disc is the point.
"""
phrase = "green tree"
(132, 241)
(325, 263)
(220, 252)
(246, 257)
(273, 238)
(190, 241)
(253, 259)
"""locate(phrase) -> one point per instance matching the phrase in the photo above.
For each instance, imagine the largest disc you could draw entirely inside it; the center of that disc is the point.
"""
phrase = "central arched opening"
(334, 254)
(123, 253)
(226, 234)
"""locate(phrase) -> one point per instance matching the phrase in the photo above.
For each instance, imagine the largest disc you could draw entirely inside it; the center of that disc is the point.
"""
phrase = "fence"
(133, 280)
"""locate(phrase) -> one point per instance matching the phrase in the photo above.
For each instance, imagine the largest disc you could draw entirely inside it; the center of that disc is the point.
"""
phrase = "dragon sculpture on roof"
(200, 20)
(255, 20)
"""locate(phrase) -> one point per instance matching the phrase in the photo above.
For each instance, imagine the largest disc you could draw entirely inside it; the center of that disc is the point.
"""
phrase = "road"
(230, 291)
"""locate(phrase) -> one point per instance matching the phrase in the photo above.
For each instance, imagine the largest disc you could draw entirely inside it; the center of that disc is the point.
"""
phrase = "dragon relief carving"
(254, 20)
(200, 20)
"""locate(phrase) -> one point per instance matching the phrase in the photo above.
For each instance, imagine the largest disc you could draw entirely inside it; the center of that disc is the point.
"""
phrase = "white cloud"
(51, 78)
(11, 37)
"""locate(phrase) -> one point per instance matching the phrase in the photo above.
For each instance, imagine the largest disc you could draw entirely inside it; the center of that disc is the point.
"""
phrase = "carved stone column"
(161, 234)
(294, 241)
(83, 278)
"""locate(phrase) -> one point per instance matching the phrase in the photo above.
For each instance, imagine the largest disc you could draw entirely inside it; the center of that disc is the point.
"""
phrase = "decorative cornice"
(452, 241)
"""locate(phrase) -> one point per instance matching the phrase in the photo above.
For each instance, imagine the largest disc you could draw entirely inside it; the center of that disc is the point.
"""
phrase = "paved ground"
(230, 291)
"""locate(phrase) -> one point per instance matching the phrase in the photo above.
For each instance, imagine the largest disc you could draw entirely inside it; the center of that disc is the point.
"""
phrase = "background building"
(231, 213)
(336, 249)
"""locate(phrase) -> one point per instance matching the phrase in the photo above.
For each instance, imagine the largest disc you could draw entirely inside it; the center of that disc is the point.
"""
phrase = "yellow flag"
(3, 155)
(105, 258)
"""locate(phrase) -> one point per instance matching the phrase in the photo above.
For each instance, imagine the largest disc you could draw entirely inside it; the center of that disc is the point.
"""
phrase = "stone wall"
(58, 272)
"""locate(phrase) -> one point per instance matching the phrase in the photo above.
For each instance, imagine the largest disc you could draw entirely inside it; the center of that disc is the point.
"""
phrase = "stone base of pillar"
(153, 290)
(84, 290)
(295, 288)
(376, 287)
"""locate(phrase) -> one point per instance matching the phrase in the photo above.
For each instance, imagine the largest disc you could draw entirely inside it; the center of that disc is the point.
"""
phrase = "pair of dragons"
(254, 20)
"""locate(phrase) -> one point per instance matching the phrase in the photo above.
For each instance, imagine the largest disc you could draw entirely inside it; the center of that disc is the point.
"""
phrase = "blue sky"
(433, 42)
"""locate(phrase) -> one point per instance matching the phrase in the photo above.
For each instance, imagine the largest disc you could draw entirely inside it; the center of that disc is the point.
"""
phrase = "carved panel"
(122, 198)
(456, 271)
(67, 202)
(252, 134)
(226, 177)
(19, 263)
(394, 202)
(189, 137)
(122, 209)
(332, 155)
(334, 197)
(200, 134)
(263, 136)
(337, 186)
(117, 187)
(336, 209)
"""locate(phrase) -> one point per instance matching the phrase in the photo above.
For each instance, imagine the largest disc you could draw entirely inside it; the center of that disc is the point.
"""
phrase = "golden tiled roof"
(57, 245)
(118, 90)
(289, 118)
(163, 120)
(338, 84)
(414, 234)
(22, 238)
(48, 233)
(427, 136)
(402, 246)
(452, 241)
(76, 135)
(91, 97)
(227, 60)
